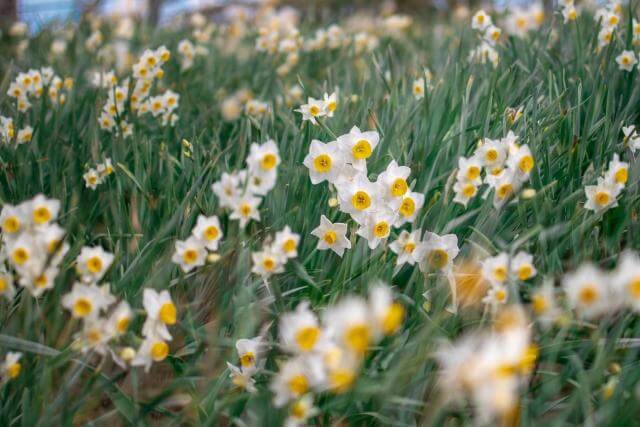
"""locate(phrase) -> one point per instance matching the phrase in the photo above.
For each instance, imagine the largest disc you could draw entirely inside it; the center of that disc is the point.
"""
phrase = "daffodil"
(11, 367)
(325, 161)
(161, 313)
(351, 324)
(332, 236)
(286, 242)
(602, 196)
(405, 246)
(245, 209)
(153, 349)
(250, 352)
(627, 60)
(358, 146)
(300, 331)
(208, 230)
(87, 301)
(376, 227)
(296, 377)
(436, 253)
(189, 254)
(93, 262)
(387, 314)
(587, 291)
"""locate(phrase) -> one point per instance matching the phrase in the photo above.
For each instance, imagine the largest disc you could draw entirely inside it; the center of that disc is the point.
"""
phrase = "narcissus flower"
(300, 331)
(437, 252)
(350, 323)
(286, 242)
(87, 301)
(250, 352)
(208, 230)
(93, 262)
(602, 196)
(358, 146)
(296, 377)
(405, 246)
(587, 291)
(161, 313)
(387, 314)
(245, 209)
(325, 161)
(153, 349)
(189, 254)
(332, 236)
(627, 60)
(11, 367)
(376, 227)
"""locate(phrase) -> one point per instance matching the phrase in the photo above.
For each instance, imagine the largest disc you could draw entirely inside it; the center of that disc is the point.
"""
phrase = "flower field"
(267, 218)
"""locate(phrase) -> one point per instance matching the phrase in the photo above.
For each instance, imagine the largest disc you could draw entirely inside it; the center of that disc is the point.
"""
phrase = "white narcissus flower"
(469, 170)
(387, 314)
(496, 295)
(626, 280)
(543, 304)
(480, 20)
(301, 411)
(522, 162)
(286, 242)
(405, 246)
(464, 192)
(376, 227)
(13, 219)
(11, 367)
(437, 252)
(358, 146)
(87, 301)
(153, 349)
(587, 291)
(7, 289)
(522, 266)
(325, 161)
(330, 103)
(93, 262)
(296, 377)
(627, 60)
(358, 197)
(495, 269)
(250, 353)
(601, 196)
(189, 254)
(300, 330)
(313, 109)
(43, 210)
(242, 379)
(409, 206)
(161, 312)
(332, 236)
(228, 188)
(208, 230)
(492, 153)
(263, 158)
(618, 171)
(418, 88)
(245, 209)
(393, 181)
(120, 318)
(266, 263)
(92, 179)
(350, 323)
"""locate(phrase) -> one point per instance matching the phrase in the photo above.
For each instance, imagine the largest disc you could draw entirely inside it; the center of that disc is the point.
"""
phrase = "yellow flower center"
(82, 307)
(525, 272)
(245, 209)
(501, 295)
(492, 155)
(94, 265)
(526, 164)
(307, 337)
(539, 304)
(634, 287)
(361, 150)
(409, 247)
(330, 237)
(298, 384)
(168, 313)
(159, 351)
(94, 336)
(408, 207)
(269, 264)
(469, 190)
(392, 319)
(438, 258)
(399, 187)
(211, 232)
(473, 172)
(248, 360)
(331, 106)
(314, 110)
(361, 200)
(123, 324)
(13, 370)
(41, 281)
(268, 161)
(3, 285)
(602, 198)
(289, 245)
(41, 215)
(381, 229)
(500, 273)
(20, 256)
(621, 176)
(358, 337)
(342, 380)
(588, 294)
(298, 410)
(11, 224)
(190, 256)
(504, 191)
(322, 163)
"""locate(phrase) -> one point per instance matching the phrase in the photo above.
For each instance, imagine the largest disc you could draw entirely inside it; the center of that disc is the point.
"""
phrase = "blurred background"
(37, 13)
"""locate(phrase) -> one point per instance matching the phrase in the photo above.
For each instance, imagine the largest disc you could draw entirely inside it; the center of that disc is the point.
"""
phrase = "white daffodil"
(587, 291)
(208, 230)
(300, 330)
(242, 379)
(189, 253)
(350, 323)
(87, 301)
(437, 252)
(480, 20)
(227, 189)
(93, 262)
(266, 263)
(358, 146)
(495, 269)
(409, 207)
(387, 314)
(325, 161)
(11, 367)
(153, 349)
(313, 109)
(358, 197)
(250, 353)
(120, 319)
(405, 246)
(618, 171)
(522, 266)
(332, 236)
(626, 280)
(602, 196)
(393, 181)
(286, 242)
(263, 158)
(469, 170)
(161, 313)
(376, 227)
(43, 210)
(627, 60)
(296, 377)
(245, 208)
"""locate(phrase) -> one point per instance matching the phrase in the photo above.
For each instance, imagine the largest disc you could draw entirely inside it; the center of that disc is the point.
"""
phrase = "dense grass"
(575, 102)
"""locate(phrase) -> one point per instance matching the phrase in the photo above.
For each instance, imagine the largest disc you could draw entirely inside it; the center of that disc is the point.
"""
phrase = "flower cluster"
(506, 166)
(188, 52)
(279, 36)
(490, 367)
(490, 34)
(315, 108)
(326, 355)
(34, 83)
(242, 191)
(32, 244)
(272, 257)
(7, 132)
(521, 20)
(604, 194)
(609, 18)
(96, 176)
(500, 269)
